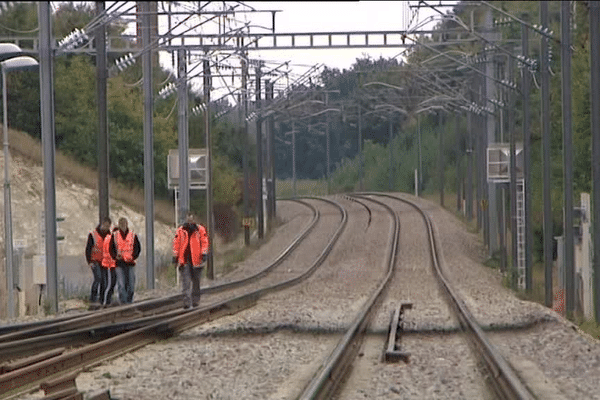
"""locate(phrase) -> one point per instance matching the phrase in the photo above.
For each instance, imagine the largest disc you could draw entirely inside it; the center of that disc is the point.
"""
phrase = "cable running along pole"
(565, 56)
(545, 83)
(148, 142)
(210, 274)
(595, 116)
(527, 162)
(48, 143)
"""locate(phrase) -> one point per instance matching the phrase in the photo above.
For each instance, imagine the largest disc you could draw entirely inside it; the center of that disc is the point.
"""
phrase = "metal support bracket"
(393, 351)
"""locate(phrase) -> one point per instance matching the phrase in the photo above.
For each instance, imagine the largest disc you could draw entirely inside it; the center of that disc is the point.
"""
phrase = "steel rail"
(282, 256)
(350, 198)
(87, 319)
(24, 379)
(329, 376)
(505, 381)
(144, 308)
(19, 326)
(99, 326)
(27, 347)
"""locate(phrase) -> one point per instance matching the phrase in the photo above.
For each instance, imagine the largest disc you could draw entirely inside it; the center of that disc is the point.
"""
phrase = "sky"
(334, 17)
(308, 16)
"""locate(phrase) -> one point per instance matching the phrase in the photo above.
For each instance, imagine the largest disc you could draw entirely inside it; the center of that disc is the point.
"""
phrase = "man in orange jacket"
(190, 248)
(109, 275)
(94, 252)
(125, 248)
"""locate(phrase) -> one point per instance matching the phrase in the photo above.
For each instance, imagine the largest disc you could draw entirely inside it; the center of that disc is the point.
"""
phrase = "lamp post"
(21, 63)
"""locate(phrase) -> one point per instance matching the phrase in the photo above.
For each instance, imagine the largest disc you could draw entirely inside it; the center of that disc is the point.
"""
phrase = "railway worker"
(109, 274)
(190, 249)
(94, 252)
(125, 248)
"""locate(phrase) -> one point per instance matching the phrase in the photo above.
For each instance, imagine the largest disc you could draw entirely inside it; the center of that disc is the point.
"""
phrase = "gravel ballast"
(271, 350)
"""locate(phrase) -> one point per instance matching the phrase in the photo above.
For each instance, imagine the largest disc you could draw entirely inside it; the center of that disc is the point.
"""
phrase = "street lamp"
(9, 50)
(22, 63)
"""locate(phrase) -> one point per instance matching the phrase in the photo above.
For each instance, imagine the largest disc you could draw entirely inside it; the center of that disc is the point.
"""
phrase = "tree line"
(395, 143)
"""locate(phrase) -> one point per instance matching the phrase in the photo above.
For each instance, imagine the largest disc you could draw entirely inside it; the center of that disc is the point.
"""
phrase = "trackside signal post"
(498, 172)
(196, 176)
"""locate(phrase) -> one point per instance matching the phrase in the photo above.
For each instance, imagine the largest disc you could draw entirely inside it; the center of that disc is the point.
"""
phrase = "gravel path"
(271, 350)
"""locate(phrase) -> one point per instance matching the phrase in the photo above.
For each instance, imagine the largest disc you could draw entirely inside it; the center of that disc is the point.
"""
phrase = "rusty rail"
(23, 379)
(101, 324)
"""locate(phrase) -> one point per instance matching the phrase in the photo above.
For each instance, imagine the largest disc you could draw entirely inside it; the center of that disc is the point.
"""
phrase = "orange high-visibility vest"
(198, 245)
(107, 260)
(98, 246)
(125, 246)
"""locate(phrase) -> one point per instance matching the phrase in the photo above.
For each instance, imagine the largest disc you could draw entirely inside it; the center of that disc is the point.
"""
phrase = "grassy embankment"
(68, 168)
(225, 255)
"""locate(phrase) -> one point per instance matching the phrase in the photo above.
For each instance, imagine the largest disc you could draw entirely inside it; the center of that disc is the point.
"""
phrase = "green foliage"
(76, 115)
(404, 148)
(225, 184)
(591, 328)
(19, 19)
(75, 110)
(76, 119)
(70, 16)
(304, 187)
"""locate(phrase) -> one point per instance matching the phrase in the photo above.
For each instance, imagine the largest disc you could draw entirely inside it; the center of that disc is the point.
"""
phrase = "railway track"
(506, 384)
(24, 340)
(273, 350)
(326, 382)
(505, 381)
(17, 331)
(332, 373)
(23, 375)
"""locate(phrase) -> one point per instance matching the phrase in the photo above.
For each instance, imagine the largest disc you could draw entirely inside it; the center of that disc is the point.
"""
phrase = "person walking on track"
(190, 248)
(108, 271)
(125, 248)
(94, 253)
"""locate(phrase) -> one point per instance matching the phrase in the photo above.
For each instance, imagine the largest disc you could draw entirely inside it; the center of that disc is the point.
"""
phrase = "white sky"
(335, 17)
(323, 16)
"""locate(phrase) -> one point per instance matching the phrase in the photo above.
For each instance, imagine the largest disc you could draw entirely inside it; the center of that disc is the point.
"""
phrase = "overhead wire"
(106, 16)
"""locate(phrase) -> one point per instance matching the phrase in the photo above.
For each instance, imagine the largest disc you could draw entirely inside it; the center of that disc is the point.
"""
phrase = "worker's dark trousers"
(98, 285)
(190, 284)
(109, 276)
(125, 282)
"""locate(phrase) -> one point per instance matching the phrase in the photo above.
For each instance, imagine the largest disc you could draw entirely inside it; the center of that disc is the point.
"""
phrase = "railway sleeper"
(393, 352)
(13, 365)
(66, 394)
(101, 395)
(61, 386)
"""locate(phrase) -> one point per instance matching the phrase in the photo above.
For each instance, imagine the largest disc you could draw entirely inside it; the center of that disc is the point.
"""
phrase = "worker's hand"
(92, 265)
(204, 257)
